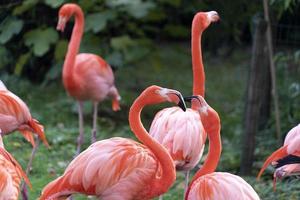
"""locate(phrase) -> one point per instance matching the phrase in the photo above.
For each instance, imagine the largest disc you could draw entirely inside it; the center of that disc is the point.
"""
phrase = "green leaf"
(40, 40)
(140, 9)
(136, 8)
(26, 5)
(10, 27)
(54, 3)
(96, 22)
(4, 56)
(60, 50)
(122, 42)
(21, 62)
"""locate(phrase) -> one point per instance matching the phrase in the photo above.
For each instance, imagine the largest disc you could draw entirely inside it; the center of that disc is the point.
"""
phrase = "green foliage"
(121, 31)
(10, 27)
(97, 22)
(40, 40)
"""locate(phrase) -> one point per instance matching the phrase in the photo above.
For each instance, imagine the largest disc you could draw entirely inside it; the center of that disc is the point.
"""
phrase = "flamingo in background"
(287, 158)
(120, 168)
(11, 174)
(181, 132)
(207, 184)
(85, 76)
(15, 115)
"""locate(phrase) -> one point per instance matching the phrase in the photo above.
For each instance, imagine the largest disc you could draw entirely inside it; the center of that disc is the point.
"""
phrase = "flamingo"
(207, 184)
(287, 158)
(181, 132)
(15, 115)
(85, 76)
(120, 168)
(11, 174)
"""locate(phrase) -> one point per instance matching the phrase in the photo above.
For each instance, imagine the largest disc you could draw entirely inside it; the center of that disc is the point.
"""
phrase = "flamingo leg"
(80, 138)
(23, 186)
(94, 131)
(186, 181)
(160, 197)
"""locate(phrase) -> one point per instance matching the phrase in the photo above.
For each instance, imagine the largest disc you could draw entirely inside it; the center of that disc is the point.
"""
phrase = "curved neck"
(198, 69)
(214, 152)
(73, 48)
(168, 176)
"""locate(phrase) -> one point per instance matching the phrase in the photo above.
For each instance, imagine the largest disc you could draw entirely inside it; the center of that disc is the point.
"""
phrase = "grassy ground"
(168, 66)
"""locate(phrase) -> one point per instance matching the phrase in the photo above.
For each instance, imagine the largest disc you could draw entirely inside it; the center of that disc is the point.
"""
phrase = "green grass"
(167, 66)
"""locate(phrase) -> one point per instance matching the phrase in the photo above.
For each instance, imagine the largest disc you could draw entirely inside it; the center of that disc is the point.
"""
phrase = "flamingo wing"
(182, 133)
(95, 76)
(116, 168)
(15, 115)
(221, 186)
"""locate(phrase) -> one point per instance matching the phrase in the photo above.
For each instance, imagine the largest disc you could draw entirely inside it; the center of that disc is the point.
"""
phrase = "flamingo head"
(155, 94)
(204, 19)
(65, 13)
(208, 114)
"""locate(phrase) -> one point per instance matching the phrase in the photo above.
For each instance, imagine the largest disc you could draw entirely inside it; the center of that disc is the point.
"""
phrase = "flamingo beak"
(181, 103)
(189, 98)
(61, 24)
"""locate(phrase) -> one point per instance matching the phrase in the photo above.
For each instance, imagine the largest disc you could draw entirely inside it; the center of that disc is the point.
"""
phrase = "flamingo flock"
(124, 169)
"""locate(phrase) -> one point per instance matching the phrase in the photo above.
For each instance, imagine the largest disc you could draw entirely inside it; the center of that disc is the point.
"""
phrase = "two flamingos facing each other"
(286, 159)
(120, 168)
(207, 184)
(11, 174)
(85, 76)
(181, 132)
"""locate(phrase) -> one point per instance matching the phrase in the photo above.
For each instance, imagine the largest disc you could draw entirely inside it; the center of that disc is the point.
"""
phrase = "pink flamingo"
(207, 184)
(287, 158)
(181, 132)
(11, 174)
(15, 115)
(120, 168)
(85, 76)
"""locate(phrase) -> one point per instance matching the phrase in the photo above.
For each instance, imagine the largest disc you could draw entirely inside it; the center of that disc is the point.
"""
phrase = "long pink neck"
(213, 129)
(163, 183)
(198, 69)
(69, 78)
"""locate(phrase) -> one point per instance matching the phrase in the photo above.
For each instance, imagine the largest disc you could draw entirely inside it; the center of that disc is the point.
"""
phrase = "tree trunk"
(258, 95)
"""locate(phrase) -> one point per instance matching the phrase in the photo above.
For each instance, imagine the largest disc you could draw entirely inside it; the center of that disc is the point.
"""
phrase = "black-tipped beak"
(290, 159)
(181, 102)
(189, 98)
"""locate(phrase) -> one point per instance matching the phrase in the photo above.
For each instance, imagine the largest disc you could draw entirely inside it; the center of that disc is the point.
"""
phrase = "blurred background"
(148, 42)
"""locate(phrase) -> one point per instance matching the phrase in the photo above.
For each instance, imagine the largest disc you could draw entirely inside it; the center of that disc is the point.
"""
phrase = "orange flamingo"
(15, 115)
(85, 76)
(180, 132)
(287, 158)
(207, 184)
(11, 174)
(120, 168)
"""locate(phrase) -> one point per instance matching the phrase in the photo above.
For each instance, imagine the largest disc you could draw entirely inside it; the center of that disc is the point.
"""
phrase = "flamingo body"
(15, 115)
(94, 77)
(112, 169)
(11, 174)
(182, 134)
(221, 186)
